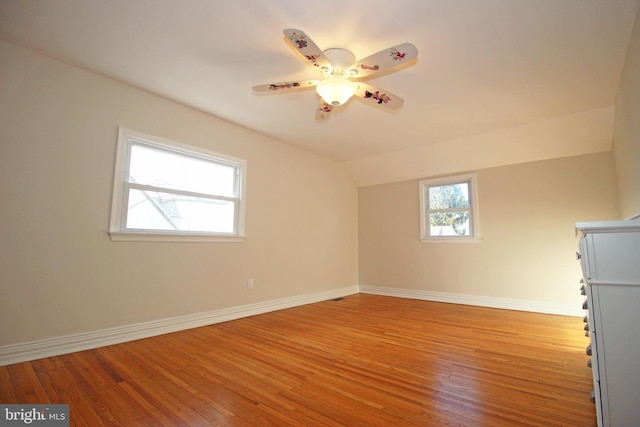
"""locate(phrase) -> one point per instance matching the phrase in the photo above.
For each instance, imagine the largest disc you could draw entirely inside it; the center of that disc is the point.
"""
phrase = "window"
(449, 209)
(164, 190)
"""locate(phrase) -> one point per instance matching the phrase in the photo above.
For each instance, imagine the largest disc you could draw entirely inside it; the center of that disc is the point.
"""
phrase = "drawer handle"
(578, 256)
(585, 305)
(589, 362)
(589, 350)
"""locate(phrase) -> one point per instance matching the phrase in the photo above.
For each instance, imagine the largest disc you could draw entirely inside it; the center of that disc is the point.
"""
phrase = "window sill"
(120, 236)
(451, 240)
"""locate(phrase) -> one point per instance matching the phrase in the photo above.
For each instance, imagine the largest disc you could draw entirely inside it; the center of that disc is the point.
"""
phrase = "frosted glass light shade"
(336, 91)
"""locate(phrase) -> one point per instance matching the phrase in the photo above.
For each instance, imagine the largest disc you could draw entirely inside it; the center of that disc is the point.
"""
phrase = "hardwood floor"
(364, 360)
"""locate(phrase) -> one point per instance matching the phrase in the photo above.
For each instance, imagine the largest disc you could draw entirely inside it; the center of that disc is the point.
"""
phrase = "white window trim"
(122, 152)
(473, 199)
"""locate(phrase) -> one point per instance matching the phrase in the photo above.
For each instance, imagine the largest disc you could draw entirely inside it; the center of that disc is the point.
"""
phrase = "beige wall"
(527, 214)
(61, 274)
(626, 141)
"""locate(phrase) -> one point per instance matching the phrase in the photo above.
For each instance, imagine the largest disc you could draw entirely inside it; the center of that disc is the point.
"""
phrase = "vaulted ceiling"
(495, 82)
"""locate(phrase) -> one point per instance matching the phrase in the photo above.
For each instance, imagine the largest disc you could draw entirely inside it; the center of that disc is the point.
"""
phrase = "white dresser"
(609, 253)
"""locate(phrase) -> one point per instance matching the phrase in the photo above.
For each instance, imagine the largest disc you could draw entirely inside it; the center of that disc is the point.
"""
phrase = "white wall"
(526, 256)
(626, 141)
(60, 274)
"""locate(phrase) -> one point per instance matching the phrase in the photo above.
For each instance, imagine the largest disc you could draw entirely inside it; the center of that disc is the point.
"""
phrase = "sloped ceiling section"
(495, 82)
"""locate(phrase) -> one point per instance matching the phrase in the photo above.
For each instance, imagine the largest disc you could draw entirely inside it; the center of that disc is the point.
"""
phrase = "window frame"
(117, 228)
(474, 229)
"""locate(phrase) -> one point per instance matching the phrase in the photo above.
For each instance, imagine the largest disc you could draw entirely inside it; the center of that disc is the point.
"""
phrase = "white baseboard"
(493, 302)
(22, 352)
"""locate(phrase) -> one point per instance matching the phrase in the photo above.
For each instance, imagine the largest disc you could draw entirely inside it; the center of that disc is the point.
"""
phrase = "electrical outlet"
(250, 284)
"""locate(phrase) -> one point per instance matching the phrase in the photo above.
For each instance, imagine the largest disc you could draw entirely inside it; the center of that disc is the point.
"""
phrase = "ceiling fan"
(338, 68)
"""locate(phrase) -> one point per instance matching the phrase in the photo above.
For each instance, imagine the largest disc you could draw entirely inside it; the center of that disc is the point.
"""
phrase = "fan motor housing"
(340, 60)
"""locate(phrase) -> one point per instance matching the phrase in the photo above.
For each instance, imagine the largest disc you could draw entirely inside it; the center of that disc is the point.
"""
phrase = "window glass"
(164, 211)
(448, 206)
(161, 168)
(449, 196)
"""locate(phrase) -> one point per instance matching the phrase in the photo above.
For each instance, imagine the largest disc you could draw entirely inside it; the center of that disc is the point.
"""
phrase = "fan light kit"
(338, 67)
(336, 91)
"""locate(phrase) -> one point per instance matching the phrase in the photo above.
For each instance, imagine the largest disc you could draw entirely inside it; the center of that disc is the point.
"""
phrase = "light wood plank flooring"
(364, 360)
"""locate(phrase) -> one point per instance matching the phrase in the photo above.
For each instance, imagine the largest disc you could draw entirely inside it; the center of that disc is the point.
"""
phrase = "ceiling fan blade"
(286, 86)
(383, 60)
(307, 48)
(377, 97)
(323, 110)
